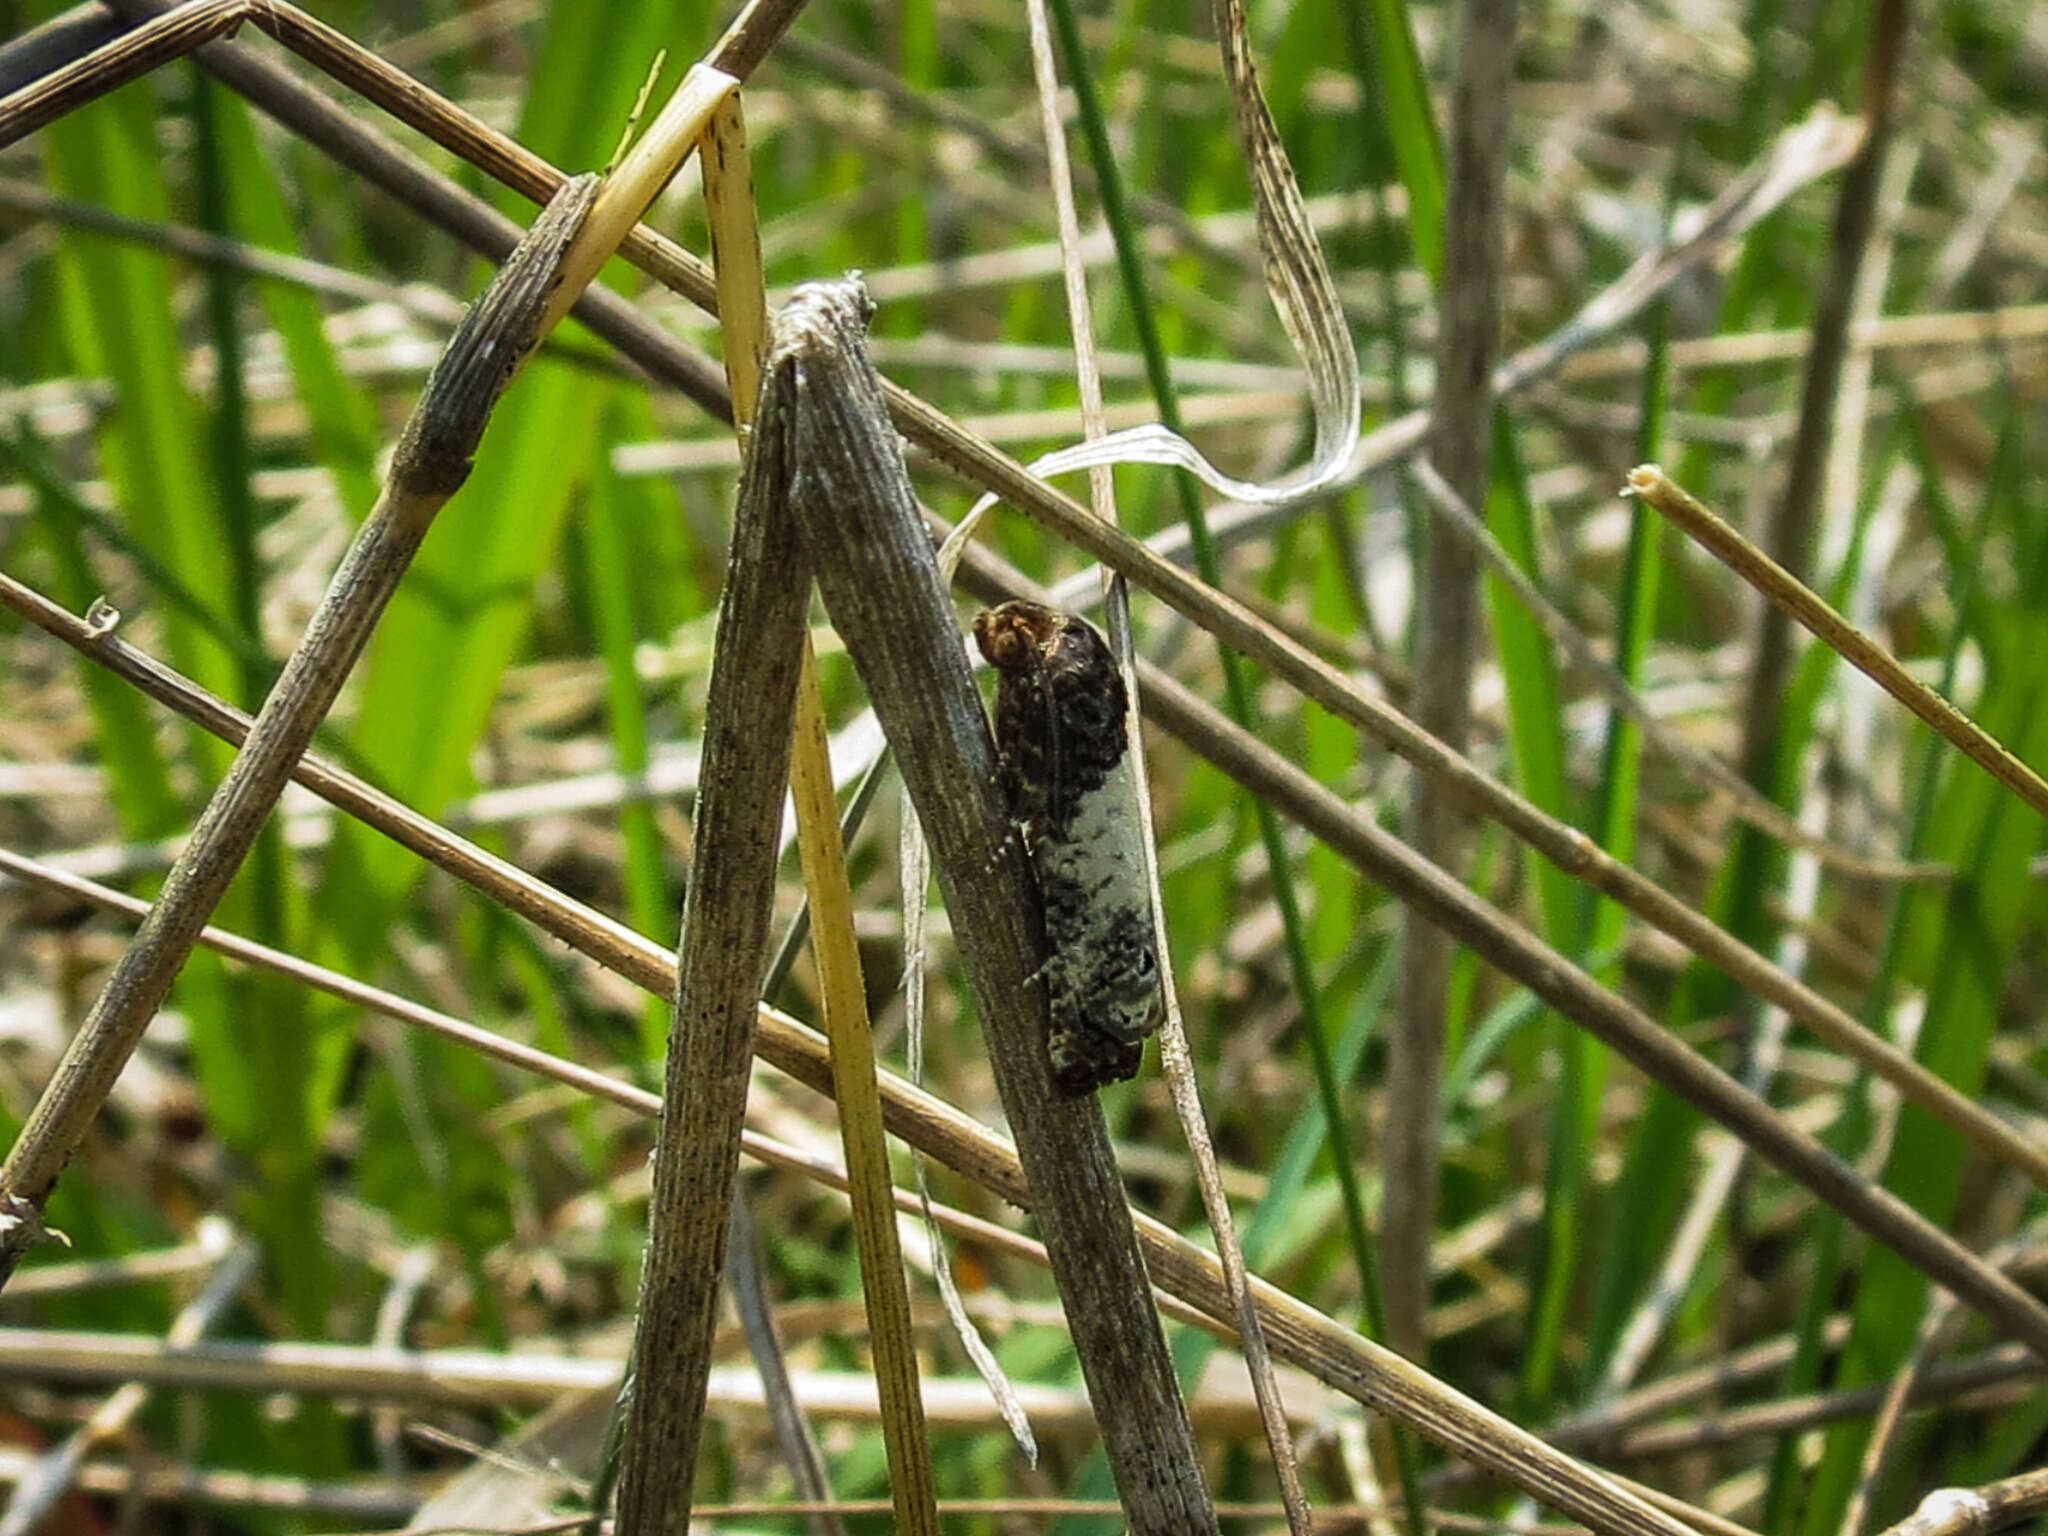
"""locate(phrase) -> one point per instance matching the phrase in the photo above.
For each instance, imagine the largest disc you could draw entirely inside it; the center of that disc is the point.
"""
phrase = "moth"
(1067, 775)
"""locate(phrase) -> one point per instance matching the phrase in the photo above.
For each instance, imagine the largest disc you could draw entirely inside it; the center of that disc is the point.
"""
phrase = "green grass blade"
(1396, 68)
(459, 619)
(608, 562)
(117, 318)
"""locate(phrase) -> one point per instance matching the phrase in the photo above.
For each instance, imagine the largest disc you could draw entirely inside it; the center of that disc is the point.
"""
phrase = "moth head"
(1017, 635)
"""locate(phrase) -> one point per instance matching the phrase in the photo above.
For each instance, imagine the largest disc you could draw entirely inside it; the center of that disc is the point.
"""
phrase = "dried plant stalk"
(1446, 646)
(1785, 592)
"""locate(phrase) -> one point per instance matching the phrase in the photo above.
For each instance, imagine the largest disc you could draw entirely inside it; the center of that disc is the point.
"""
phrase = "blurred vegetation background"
(192, 438)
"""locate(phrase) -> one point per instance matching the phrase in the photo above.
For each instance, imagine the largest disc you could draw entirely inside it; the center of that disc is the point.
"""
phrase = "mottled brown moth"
(1067, 774)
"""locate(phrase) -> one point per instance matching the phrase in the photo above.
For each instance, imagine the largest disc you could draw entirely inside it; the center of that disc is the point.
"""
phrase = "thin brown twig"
(1788, 594)
(748, 717)
(1750, 804)
(1789, 531)
(1446, 647)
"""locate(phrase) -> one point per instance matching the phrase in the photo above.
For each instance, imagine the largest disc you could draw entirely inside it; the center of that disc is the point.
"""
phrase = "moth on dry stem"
(1073, 790)
(874, 566)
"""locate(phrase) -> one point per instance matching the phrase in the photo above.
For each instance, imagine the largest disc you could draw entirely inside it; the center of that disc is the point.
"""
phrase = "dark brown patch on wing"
(1060, 709)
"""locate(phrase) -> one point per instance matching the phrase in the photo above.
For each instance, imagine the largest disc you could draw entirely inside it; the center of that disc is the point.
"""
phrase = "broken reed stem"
(378, 159)
(748, 718)
(1787, 593)
(432, 460)
(743, 311)
(127, 57)
(875, 569)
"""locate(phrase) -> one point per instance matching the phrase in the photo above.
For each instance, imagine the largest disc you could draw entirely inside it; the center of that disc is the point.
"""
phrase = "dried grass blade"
(915, 873)
(860, 1116)
(1304, 296)
(1749, 803)
(1175, 1056)
(736, 262)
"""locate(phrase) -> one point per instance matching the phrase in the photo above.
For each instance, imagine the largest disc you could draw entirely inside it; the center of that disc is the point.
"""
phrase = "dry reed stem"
(432, 460)
(1446, 647)
(1789, 531)
(748, 719)
(1750, 804)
